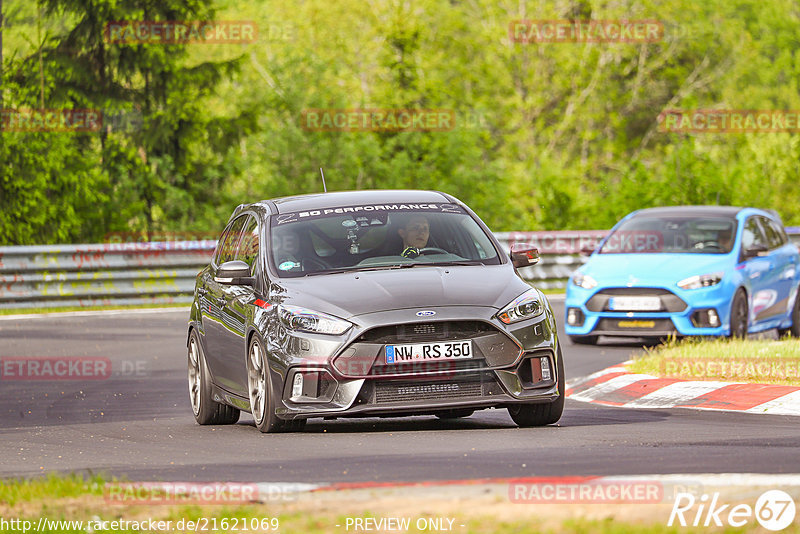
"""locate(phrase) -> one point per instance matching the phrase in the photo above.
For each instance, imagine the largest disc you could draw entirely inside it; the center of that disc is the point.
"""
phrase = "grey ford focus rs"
(368, 303)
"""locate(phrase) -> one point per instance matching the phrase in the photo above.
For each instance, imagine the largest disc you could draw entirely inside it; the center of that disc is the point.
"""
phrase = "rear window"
(377, 236)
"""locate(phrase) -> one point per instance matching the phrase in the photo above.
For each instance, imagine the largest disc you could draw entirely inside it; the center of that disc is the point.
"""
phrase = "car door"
(215, 298)
(756, 269)
(235, 313)
(783, 262)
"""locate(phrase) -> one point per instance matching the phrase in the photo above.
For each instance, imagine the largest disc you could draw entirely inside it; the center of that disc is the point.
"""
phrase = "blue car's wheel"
(793, 330)
(739, 315)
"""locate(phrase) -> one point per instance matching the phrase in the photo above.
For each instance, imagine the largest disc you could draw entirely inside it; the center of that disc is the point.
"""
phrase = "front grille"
(366, 356)
(424, 367)
(432, 331)
(414, 391)
(670, 302)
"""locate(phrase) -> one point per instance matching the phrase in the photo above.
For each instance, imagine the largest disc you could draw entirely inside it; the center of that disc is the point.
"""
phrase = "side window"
(227, 249)
(776, 230)
(751, 235)
(248, 246)
(773, 237)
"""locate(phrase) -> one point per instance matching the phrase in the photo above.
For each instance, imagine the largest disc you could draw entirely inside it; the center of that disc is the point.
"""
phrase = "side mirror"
(234, 273)
(586, 250)
(754, 251)
(524, 255)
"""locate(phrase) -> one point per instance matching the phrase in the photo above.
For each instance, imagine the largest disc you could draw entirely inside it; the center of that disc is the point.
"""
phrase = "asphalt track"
(137, 424)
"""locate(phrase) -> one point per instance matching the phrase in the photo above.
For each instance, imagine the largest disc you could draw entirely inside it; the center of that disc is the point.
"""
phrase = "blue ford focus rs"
(686, 271)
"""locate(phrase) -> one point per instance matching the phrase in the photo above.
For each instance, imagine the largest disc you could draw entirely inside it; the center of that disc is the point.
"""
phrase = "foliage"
(547, 136)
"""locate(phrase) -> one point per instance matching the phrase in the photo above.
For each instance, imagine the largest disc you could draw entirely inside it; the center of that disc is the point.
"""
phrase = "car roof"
(348, 198)
(712, 211)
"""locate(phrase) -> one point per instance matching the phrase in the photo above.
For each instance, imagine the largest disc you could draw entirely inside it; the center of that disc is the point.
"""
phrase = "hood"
(657, 270)
(349, 294)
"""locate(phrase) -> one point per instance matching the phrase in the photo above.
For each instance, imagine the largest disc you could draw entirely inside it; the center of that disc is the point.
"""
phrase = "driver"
(415, 235)
(725, 239)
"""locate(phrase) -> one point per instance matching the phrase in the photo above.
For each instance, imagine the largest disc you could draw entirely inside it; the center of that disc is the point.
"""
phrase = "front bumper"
(690, 309)
(358, 382)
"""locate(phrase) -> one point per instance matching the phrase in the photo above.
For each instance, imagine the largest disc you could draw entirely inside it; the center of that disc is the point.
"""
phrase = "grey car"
(368, 303)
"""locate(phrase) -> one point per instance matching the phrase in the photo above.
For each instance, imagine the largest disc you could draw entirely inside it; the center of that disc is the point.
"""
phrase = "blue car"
(687, 271)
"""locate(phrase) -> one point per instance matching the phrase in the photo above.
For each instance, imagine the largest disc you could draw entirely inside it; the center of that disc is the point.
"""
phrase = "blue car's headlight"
(305, 320)
(584, 280)
(526, 306)
(701, 280)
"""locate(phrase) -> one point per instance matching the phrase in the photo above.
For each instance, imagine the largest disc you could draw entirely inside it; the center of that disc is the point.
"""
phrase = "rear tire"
(584, 340)
(527, 415)
(739, 316)
(794, 330)
(206, 410)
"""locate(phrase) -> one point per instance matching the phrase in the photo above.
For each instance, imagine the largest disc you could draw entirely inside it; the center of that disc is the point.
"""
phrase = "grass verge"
(59, 499)
(727, 360)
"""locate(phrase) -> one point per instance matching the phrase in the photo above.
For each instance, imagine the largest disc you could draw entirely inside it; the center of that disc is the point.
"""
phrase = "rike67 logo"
(774, 510)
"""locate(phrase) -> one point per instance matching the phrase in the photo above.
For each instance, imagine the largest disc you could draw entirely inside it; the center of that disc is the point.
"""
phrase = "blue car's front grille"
(670, 302)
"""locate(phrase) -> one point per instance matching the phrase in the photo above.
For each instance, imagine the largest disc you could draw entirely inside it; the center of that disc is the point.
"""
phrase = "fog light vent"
(297, 385)
(545, 364)
(574, 317)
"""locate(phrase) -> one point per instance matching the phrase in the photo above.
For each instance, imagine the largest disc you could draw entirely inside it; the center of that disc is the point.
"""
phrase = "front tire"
(206, 410)
(259, 386)
(527, 415)
(739, 316)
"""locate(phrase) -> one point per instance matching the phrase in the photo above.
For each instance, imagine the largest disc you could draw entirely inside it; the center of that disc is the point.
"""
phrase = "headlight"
(584, 280)
(305, 320)
(702, 280)
(526, 306)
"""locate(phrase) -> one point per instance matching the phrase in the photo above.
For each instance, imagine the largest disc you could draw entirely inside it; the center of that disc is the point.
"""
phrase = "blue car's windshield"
(648, 235)
(377, 237)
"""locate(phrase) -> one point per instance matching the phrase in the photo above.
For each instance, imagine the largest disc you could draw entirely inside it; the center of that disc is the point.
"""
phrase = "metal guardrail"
(101, 274)
(164, 272)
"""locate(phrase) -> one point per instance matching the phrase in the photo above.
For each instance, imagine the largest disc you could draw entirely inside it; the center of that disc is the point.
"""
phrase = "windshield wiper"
(441, 263)
(357, 269)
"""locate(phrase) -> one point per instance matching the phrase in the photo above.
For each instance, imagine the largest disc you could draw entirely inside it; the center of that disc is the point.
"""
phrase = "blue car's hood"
(651, 269)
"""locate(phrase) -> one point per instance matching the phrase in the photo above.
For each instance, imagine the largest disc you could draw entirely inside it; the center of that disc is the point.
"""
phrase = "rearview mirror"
(524, 255)
(234, 273)
(754, 251)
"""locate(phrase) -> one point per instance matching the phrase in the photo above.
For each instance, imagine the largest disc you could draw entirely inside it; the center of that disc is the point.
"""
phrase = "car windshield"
(377, 237)
(649, 234)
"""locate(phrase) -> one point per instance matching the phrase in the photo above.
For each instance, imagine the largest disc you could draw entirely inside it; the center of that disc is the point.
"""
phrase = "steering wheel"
(432, 250)
(707, 244)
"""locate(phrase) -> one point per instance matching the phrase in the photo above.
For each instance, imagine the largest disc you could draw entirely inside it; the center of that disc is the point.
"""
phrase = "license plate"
(634, 303)
(445, 350)
(637, 324)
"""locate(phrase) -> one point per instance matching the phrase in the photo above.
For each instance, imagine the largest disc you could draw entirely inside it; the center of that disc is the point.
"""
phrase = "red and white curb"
(616, 386)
